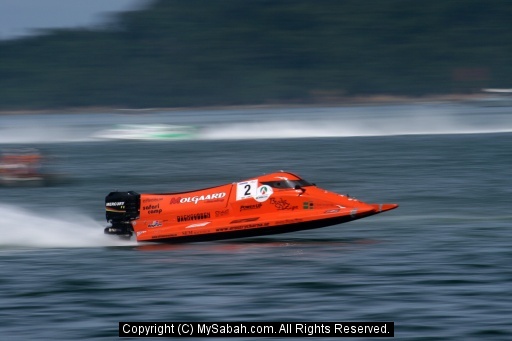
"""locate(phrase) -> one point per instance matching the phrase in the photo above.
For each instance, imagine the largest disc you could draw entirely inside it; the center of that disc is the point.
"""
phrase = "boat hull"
(270, 204)
(254, 232)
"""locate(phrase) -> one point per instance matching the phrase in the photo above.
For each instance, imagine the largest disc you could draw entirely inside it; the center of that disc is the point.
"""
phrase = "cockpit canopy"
(285, 183)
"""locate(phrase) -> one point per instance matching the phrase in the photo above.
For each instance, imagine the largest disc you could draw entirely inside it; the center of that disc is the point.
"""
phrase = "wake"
(281, 124)
(21, 227)
(333, 128)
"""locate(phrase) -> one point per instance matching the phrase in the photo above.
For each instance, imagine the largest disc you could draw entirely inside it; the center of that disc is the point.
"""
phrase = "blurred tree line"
(225, 52)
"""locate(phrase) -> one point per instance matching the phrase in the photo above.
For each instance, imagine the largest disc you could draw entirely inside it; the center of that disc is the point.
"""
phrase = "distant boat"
(500, 91)
(150, 132)
(24, 167)
(496, 97)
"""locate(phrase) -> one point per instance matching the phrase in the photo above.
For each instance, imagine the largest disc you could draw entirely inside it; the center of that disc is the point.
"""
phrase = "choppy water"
(439, 266)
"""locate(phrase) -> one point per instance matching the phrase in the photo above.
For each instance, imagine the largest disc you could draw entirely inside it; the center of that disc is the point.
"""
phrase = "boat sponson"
(258, 232)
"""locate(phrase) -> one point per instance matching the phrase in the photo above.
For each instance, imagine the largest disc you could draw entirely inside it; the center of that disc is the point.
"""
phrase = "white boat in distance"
(151, 132)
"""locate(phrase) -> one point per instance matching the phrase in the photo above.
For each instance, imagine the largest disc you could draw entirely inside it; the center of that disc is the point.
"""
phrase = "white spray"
(20, 227)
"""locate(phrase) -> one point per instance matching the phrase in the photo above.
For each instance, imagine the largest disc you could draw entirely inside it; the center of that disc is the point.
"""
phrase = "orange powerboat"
(275, 203)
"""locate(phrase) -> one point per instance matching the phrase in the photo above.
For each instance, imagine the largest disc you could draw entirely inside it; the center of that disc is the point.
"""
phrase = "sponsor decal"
(198, 225)
(250, 207)
(263, 193)
(242, 227)
(175, 200)
(164, 236)
(152, 209)
(308, 205)
(155, 223)
(114, 203)
(283, 204)
(336, 210)
(195, 199)
(118, 210)
(288, 221)
(244, 220)
(146, 200)
(222, 213)
(325, 205)
(140, 232)
(193, 216)
(192, 232)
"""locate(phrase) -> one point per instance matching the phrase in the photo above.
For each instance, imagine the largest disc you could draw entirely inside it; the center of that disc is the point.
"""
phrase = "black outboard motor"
(121, 208)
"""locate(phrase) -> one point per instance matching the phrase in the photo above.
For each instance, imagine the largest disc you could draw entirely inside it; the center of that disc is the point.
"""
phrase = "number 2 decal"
(246, 189)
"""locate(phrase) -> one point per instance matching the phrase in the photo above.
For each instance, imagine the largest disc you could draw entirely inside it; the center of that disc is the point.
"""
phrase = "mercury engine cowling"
(121, 208)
